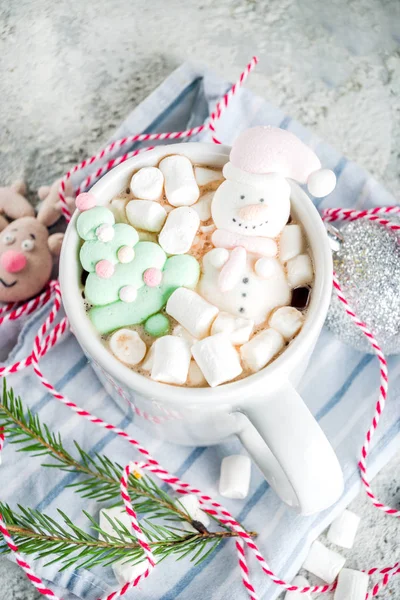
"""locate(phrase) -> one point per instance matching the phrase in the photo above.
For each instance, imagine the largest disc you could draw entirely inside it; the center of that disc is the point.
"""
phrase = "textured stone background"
(70, 71)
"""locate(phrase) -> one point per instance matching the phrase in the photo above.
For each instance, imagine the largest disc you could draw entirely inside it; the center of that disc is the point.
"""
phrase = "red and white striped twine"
(374, 216)
(46, 338)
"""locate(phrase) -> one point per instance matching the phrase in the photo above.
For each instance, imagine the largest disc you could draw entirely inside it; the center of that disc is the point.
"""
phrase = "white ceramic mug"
(264, 410)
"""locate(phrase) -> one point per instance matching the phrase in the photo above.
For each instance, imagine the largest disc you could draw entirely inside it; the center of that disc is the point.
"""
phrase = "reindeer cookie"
(26, 248)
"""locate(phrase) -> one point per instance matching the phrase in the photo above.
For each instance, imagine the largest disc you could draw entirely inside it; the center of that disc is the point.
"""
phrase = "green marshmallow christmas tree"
(129, 281)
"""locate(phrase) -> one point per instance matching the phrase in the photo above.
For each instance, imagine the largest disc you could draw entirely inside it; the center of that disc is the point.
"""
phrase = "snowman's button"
(245, 280)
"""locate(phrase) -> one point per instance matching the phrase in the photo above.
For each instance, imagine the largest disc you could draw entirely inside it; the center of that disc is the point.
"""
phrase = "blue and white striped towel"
(340, 388)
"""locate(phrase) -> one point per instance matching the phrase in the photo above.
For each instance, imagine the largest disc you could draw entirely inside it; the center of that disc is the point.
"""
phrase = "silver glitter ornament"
(367, 263)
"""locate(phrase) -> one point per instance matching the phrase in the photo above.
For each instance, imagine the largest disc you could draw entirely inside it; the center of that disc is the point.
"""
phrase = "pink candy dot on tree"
(152, 277)
(105, 269)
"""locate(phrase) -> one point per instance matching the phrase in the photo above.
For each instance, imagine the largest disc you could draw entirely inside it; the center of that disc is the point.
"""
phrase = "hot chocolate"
(200, 277)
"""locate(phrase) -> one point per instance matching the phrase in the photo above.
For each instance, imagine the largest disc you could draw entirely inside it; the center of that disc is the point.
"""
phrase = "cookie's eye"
(9, 239)
(261, 199)
(27, 245)
(242, 197)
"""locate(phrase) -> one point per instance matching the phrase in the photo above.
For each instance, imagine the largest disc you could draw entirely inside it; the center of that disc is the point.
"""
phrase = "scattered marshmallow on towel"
(324, 563)
(235, 476)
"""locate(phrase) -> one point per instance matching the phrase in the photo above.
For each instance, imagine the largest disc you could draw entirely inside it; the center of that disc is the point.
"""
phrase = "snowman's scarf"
(46, 338)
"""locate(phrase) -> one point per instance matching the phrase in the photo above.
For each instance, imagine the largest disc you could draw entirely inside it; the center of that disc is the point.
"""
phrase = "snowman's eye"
(261, 199)
(242, 197)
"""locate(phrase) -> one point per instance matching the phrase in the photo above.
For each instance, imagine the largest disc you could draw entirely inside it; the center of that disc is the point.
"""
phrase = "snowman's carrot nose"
(252, 212)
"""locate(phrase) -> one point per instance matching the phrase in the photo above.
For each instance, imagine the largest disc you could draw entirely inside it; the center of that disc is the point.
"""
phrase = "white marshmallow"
(192, 311)
(171, 360)
(203, 206)
(324, 563)
(291, 242)
(299, 270)
(181, 188)
(217, 359)
(179, 231)
(183, 333)
(195, 376)
(147, 183)
(217, 257)
(287, 320)
(321, 182)
(238, 329)
(261, 349)
(145, 214)
(204, 176)
(299, 581)
(343, 530)
(235, 476)
(117, 207)
(267, 268)
(123, 571)
(127, 346)
(190, 504)
(352, 585)
(147, 364)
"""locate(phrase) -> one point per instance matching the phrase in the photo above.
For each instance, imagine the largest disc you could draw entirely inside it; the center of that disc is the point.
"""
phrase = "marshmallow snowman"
(250, 209)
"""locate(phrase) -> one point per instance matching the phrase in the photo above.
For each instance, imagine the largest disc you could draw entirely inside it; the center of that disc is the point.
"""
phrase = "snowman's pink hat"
(261, 151)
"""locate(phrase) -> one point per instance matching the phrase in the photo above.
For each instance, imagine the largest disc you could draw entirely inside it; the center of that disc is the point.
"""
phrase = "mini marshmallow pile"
(328, 565)
(208, 346)
(177, 222)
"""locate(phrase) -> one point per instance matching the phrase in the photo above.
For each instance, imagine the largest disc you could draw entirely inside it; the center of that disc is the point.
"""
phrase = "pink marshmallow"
(104, 269)
(152, 277)
(257, 245)
(85, 201)
(273, 150)
(232, 269)
(13, 261)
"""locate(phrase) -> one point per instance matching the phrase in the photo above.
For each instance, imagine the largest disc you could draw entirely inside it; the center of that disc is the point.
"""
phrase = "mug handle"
(291, 450)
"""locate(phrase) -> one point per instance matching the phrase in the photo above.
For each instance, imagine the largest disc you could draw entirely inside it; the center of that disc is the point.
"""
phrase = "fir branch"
(102, 476)
(63, 541)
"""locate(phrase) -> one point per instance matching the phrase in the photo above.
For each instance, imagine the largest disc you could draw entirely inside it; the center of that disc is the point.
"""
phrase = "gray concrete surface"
(70, 71)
